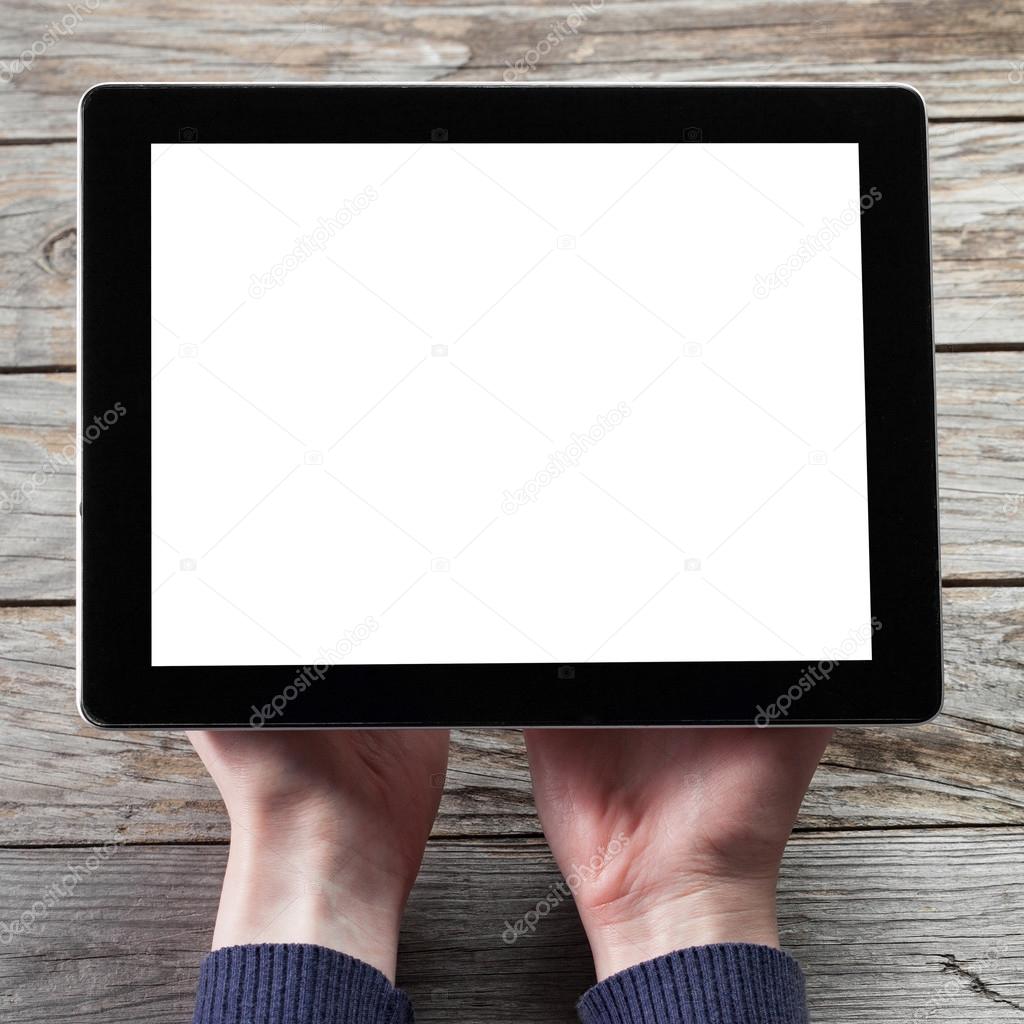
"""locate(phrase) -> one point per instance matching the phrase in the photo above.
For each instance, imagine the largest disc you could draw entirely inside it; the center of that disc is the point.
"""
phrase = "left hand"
(328, 830)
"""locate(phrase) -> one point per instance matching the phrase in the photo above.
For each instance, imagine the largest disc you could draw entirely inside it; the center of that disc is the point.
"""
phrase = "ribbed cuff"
(295, 984)
(728, 983)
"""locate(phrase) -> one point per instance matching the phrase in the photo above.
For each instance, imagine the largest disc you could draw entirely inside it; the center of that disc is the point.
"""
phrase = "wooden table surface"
(903, 889)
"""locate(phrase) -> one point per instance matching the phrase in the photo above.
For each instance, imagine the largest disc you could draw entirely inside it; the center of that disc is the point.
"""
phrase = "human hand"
(688, 825)
(328, 830)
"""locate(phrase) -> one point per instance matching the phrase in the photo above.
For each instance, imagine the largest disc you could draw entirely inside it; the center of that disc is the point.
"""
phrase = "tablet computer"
(417, 405)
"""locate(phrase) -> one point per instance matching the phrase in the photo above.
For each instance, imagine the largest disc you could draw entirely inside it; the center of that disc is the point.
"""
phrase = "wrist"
(647, 927)
(278, 890)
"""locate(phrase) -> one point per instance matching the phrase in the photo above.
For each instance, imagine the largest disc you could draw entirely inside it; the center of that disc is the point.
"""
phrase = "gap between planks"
(538, 838)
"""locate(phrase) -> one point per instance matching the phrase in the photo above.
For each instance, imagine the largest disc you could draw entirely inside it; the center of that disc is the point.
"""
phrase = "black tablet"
(540, 405)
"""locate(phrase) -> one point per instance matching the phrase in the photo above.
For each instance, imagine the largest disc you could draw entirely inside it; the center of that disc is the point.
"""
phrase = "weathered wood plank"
(37, 255)
(963, 54)
(981, 464)
(981, 423)
(64, 782)
(888, 926)
(977, 192)
(37, 486)
(978, 213)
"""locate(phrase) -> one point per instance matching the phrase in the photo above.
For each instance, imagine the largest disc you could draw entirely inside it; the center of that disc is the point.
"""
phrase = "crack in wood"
(974, 982)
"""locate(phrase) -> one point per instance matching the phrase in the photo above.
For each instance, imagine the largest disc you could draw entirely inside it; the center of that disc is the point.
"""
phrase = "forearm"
(294, 984)
(289, 949)
(304, 984)
(291, 896)
(716, 984)
(704, 951)
(296, 942)
(629, 932)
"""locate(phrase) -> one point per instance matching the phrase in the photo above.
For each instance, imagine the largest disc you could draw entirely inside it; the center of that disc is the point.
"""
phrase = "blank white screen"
(373, 364)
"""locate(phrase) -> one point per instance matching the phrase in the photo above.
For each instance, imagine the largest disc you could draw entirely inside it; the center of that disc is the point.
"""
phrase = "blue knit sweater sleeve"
(728, 983)
(297, 984)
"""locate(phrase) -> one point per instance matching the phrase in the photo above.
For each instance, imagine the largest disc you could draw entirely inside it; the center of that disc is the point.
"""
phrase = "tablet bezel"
(118, 686)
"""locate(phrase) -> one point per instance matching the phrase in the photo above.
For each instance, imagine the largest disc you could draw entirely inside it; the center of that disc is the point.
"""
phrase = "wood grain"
(981, 464)
(963, 54)
(888, 926)
(64, 782)
(38, 454)
(37, 255)
(978, 217)
(981, 423)
(977, 193)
